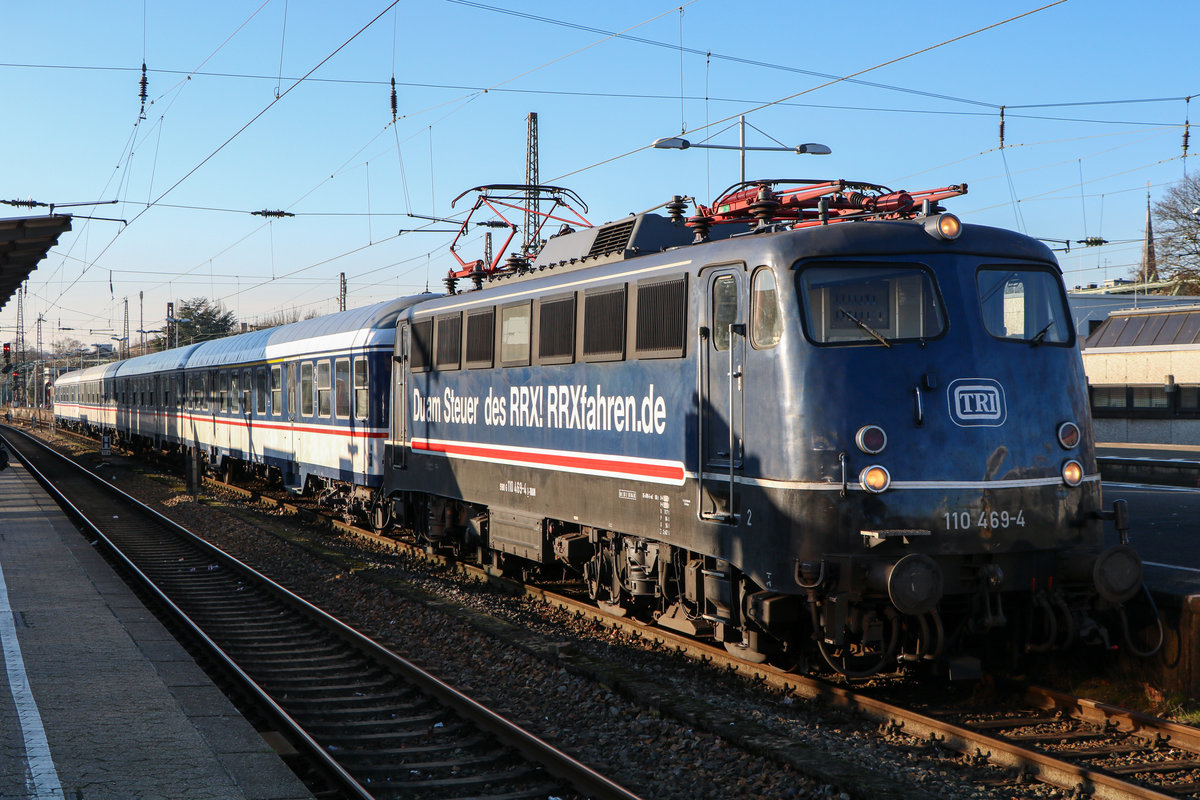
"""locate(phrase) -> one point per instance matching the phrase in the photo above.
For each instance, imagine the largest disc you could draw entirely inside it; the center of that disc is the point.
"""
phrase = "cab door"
(721, 418)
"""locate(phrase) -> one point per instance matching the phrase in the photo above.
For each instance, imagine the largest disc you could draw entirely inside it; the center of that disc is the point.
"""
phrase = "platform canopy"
(25, 241)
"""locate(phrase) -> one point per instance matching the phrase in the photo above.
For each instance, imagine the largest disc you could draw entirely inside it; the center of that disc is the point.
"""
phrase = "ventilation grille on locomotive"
(556, 330)
(422, 345)
(604, 325)
(613, 238)
(481, 338)
(449, 341)
(662, 318)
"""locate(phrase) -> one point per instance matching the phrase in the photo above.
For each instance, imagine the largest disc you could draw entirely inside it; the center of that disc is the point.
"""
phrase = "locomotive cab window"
(725, 310)
(766, 326)
(1024, 304)
(859, 303)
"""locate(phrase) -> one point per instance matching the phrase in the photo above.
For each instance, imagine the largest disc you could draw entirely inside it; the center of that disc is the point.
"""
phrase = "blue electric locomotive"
(819, 421)
(856, 427)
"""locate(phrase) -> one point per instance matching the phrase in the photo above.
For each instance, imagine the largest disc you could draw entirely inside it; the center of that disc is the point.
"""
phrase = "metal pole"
(742, 143)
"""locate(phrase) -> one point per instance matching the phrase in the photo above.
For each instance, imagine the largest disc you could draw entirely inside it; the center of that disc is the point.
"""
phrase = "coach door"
(289, 381)
(399, 421)
(722, 357)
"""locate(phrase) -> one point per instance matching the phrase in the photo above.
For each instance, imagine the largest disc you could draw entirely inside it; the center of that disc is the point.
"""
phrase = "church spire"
(1149, 271)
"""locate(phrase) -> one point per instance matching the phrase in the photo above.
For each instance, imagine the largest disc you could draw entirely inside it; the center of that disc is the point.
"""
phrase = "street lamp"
(678, 143)
(175, 321)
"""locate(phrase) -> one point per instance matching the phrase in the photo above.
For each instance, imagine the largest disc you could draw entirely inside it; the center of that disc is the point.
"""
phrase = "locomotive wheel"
(595, 575)
(856, 661)
(382, 519)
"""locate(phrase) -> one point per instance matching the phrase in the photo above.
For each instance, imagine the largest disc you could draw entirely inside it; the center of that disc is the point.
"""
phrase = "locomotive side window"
(725, 309)
(515, 332)
(422, 346)
(1024, 304)
(306, 389)
(341, 385)
(324, 389)
(765, 323)
(661, 318)
(361, 403)
(855, 303)
(449, 342)
(556, 330)
(481, 338)
(604, 325)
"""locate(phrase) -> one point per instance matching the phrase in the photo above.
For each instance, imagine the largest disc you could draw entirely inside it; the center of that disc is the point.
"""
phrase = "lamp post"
(174, 321)
(678, 143)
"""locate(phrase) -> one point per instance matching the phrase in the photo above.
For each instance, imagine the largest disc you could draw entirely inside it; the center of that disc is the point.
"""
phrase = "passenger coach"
(306, 400)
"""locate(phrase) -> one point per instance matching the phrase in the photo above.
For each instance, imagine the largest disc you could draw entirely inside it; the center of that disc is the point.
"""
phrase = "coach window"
(276, 391)
(306, 389)
(224, 392)
(725, 309)
(323, 389)
(515, 334)
(361, 403)
(235, 397)
(261, 389)
(765, 324)
(247, 391)
(341, 388)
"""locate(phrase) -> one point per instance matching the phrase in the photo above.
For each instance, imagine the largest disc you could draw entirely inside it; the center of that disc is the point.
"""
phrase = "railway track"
(378, 726)
(1083, 748)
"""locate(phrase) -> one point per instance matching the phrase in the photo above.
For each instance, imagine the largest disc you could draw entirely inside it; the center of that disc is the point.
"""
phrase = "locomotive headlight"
(1072, 472)
(1068, 435)
(871, 439)
(875, 479)
(943, 226)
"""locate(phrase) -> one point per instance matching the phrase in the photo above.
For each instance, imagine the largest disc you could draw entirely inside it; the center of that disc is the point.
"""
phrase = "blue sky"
(1093, 96)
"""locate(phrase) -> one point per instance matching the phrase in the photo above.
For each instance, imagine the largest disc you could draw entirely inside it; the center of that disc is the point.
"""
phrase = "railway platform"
(99, 701)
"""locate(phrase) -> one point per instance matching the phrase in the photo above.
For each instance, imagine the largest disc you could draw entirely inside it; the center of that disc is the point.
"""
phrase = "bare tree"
(1177, 221)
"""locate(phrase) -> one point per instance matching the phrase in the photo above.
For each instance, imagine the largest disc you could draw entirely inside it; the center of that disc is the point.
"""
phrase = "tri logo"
(976, 402)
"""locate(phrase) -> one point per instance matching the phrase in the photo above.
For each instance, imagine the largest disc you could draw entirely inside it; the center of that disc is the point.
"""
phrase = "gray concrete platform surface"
(98, 701)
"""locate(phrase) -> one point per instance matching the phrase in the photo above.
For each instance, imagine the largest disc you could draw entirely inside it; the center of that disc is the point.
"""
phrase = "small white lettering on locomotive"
(563, 407)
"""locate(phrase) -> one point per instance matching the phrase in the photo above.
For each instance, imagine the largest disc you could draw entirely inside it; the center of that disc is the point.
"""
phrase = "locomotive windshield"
(869, 303)
(1023, 304)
